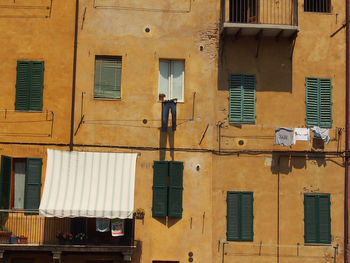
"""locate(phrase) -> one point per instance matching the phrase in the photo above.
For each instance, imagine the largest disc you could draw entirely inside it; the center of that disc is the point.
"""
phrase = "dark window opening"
(243, 11)
(322, 6)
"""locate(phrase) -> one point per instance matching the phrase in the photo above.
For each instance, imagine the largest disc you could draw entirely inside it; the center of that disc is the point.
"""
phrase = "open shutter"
(249, 84)
(310, 219)
(175, 189)
(22, 85)
(325, 103)
(36, 87)
(312, 102)
(235, 98)
(5, 181)
(233, 216)
(33, 183)
(247, 216)
(160, 188)
(324, 219)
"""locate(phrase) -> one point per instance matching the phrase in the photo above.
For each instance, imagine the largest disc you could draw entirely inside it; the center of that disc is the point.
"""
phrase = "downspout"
(347, 131)
(74, 75)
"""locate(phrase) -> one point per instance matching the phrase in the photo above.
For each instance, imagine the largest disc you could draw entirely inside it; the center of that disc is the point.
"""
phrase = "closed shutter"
(29, 85)
(249, 84)
(5, 181)
(242, 90)
(175, 189)
(108, 77)
(33, 183)
(36, 87)
(247, 216)
(310, 219)
(160, 188)
(235, 98)
(233, 216)
(324, 219)
(22, 85)
(325, 103)
(312, 102)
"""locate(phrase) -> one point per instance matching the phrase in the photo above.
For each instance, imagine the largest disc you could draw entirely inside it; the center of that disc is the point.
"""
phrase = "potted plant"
(63, 238)
(161, 97)
(22, 239)
(80, 239)
(140, 213)
(5, 235)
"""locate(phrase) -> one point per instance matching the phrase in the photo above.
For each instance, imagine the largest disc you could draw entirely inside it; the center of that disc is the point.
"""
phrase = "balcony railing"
(272, 12)
(27, 227)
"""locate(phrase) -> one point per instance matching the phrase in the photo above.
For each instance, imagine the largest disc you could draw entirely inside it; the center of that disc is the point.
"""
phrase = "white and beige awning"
(89, 184)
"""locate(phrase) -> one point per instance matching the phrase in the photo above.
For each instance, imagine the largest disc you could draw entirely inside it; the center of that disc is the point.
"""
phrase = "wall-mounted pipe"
(74, 74)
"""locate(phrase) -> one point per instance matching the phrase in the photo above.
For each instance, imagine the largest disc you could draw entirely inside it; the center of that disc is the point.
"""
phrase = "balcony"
(270, 18)
(27, 231)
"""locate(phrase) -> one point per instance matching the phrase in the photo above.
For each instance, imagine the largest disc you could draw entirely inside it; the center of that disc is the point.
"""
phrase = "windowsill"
(108, 99)
(317, 244)
(319, 13)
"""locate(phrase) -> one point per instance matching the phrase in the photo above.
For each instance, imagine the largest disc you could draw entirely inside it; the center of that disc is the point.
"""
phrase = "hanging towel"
(117, 227)
(322, 133)
(284, 136)
(301, 134)
(102, 224)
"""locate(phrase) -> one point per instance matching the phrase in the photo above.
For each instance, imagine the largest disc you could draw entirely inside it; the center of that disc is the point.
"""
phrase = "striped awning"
(89, 184)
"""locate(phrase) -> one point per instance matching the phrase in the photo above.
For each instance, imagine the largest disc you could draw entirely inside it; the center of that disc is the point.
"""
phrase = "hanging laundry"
(284, 136)
(117, 227)
(301, 134)
(102, 224)
(322, 133)
(169, 105)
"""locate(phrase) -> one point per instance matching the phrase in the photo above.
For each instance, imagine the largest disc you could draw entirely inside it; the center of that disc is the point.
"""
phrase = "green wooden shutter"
(325, 103)
(29, 85)
(175, 189)
(5, 181)
(233, 216)
(108, 77)
(160, 188)
(36, 87)
(22, 85)
(249, 84)
(246, 216)
(324, 219)
(235, 98)
(312, 102)
(33, 183)
(310, 219)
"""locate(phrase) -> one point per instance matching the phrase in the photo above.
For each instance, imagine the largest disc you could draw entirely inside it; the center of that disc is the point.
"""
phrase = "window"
(20, 183)
(319, 102)
(167, 188)
(29, 85)
(239, 216)
(317, 218)
(171, 79)
(242, 98)
(108, 72)
(321, 6)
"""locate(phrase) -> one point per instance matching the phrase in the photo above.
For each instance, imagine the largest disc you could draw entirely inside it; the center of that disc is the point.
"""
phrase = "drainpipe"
(74, 74)
(347, 132)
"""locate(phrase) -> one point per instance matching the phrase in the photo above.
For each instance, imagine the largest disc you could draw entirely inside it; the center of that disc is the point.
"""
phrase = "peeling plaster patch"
(209, 41)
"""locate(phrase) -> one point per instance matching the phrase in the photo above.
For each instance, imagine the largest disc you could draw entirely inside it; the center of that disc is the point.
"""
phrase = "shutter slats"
(36, 91)
(324, 219)
(242, 98)
(318, 102)
(32, 183)
(233, 217)
(5, 181)
(22, 85)
(175, 189)
(160, 188)
(247, 216)
(310, 219)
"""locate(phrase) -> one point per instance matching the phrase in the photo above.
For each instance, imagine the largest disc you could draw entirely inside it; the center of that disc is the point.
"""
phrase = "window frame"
(170, 63)
(106, 57)
(239, 216)
(317, 241)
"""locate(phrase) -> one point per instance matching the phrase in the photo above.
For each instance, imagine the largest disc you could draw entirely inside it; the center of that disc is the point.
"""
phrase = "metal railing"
(27, 227)
(276, 12)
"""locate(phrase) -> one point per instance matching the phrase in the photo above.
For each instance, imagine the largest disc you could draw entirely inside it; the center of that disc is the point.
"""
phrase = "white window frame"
(170, 63)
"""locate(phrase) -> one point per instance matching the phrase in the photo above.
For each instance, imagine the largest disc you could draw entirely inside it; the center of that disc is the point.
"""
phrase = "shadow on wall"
(167, 221)
(284, 164)
(272, 66)
(163, 143)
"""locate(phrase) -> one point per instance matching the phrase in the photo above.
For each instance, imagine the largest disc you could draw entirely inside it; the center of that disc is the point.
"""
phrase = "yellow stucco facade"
(218, 156)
